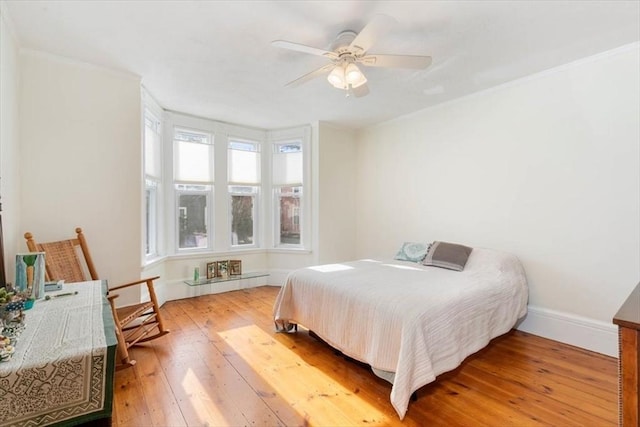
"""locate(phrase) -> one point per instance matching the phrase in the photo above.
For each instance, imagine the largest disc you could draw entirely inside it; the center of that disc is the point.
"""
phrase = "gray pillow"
(447, 255)
(411, 251)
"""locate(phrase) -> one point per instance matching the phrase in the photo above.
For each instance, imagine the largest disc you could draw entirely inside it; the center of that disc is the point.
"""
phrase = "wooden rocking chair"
(135, 323)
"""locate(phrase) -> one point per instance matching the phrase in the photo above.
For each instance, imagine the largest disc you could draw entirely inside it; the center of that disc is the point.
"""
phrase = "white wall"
(80, 132)
(9, 143)
(336, 202)
(547, 167)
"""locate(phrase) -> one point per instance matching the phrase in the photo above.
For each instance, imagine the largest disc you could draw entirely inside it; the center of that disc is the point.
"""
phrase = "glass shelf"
(226, 279)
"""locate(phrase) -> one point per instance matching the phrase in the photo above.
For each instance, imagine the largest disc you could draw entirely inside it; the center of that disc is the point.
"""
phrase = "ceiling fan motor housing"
(341, 44)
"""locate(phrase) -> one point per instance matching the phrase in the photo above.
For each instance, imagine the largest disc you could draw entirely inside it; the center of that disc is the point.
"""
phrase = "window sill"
(209, 254)
(150, 262)
(289, 251)
(231, 252)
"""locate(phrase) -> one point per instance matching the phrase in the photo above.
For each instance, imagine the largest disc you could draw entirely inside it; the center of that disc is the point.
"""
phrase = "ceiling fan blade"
(303, 48)
(396, 61)
(359, 91)
(376, 28)
(311, 75)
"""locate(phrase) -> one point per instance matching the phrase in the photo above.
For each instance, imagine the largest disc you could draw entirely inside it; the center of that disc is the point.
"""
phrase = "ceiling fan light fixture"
(345, 76)
(354, 76)
(337, 77)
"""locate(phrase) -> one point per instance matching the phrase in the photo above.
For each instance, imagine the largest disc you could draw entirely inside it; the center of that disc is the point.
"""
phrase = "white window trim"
(154, 222)
(208, 218)
(210, 194)
(219, 228)
(256, 218)
(275, 137)
(149, 104)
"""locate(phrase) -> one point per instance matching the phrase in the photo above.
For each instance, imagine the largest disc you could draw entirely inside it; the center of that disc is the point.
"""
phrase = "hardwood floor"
(223, 364)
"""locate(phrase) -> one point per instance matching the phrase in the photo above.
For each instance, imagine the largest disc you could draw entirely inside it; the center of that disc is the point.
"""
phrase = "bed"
(408, 321)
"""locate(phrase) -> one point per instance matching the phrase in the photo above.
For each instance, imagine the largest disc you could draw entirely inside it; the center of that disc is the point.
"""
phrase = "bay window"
(214, 201)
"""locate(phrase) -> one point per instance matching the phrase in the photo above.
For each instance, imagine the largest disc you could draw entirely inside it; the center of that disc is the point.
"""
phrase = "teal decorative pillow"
(411, 251)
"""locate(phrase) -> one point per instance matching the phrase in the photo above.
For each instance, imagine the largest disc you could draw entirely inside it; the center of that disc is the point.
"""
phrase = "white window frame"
(255, 212)
(300, 135)
(219, 221)
(257, 186)
(207, 192)
(277, 216)
(209, 219)
(152, 229)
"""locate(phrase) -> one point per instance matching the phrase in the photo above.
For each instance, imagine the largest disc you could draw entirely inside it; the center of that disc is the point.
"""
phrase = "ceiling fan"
(348, 50)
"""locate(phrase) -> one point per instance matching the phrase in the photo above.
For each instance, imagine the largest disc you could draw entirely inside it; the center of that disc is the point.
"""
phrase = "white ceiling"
(214, 58)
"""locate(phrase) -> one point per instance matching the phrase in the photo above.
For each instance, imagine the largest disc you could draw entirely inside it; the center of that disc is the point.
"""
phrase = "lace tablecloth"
(63, 366)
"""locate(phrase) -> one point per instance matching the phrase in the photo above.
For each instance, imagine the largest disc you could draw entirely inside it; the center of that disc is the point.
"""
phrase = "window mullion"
(221, 195)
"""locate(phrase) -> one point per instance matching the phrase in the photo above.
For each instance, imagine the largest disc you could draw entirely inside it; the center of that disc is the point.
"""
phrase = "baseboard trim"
(583, 332)
(278, 277)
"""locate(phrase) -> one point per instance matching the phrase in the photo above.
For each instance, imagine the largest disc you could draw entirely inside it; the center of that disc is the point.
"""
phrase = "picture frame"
(212, 270)
(235, 267)
(222, 268)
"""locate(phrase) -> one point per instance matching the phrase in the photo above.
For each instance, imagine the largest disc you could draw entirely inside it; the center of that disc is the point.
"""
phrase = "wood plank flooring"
(224, 365)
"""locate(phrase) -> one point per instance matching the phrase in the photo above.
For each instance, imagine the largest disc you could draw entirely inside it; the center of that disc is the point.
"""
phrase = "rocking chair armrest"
(137, 282)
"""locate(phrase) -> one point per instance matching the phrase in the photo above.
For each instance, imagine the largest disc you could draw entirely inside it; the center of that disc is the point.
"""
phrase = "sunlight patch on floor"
(305, 388)
(200, 399)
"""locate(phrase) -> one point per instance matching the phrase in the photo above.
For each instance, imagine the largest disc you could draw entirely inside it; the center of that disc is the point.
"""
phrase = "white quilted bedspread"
(415, 321)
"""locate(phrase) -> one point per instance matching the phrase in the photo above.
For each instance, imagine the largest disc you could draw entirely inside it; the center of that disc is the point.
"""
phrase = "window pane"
(243, 145)
(289, 147)
(242, 219)
(193, 156)
(193, 162)
(152, 147)
(190, 136)
(151, 192)
(287, 164)
(152, 151)
(290, 215)
(192, 221)
(244, 167)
